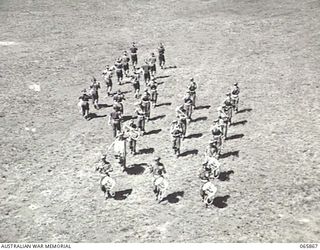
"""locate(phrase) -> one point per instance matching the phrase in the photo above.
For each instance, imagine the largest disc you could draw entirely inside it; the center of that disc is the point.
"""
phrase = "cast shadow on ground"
(189, 152)
(104, 105)
(221, 201)
(201, 118)
(202, 107)
(146, 151)
(160, 77)
(159, 83)
(164, 104)
(122, 195)
(123, 92)
(225, 176)
(232, 153)
(94, 115)
(152, 132)
(237, 136)
(170, 67)
(198, 135)
(127, 117)
(244, 110)
(174, 197)
(158, 117)
(239, 123)
(135, 169)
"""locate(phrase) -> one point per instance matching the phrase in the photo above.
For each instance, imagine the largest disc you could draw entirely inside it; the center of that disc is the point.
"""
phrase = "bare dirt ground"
(270, 187)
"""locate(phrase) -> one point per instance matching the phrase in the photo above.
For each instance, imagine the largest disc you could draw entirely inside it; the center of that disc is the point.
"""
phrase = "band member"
(162, 59)
(153, 92)
(134, 56)
(131, 129)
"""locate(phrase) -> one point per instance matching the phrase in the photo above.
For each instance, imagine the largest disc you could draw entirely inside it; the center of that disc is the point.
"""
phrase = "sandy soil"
(270, 187)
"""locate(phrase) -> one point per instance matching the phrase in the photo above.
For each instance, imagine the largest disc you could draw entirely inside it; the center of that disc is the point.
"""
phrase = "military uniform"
(119, 66)
(153, 92)
(84, 104)
(115, 121)
(141, 119)
(125, 63)
(134, 57)
(176, 133)
(152, 62)
(162, 59)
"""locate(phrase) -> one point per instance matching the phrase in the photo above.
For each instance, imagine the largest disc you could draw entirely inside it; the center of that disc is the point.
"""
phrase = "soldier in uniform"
(107, 76)
(188, 105)
(106, 182)
(162, 59)
(152, 62)
(118, 67)
(146, 72)
(94, 92)
(136, 86)
(176, 133)
(125, 63)
(133, 134)
(145, 103)
(117, 100)
(217, 133)
(192, 90)
(212, 166)
(182, 117)
(223, 120)
(157, 169)
(120, 148)
(115, 119)
(212, 150)
(141, 117)
(235, 97)
(153, 92)
(207, 191)
(84, 103)
(228, 106)
(134, 57)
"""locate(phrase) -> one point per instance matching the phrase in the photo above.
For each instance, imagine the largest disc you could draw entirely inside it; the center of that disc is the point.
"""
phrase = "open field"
(49, 189)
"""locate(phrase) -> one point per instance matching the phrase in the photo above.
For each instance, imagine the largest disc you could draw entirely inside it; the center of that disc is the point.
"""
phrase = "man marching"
(134, 56)
(136, 86)
(145, 103)
(153, 85)
(176, 133)
(107, 76)
(192, 91)
(115, 119)
(118, 67)
(132, 131)
(188, 105)
(182, 117)
(125, 63)
(117, 100)
(208, 191)
(223, 120)
(106, 182)
(162, 59)
(94, 87)
(235, 97)
(146, 72)
(120, 147)
(217, 133)
(141, 117)
(152, 62)
(84, 104)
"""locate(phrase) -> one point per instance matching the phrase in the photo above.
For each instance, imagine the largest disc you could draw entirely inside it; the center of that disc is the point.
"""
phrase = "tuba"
(132, 133)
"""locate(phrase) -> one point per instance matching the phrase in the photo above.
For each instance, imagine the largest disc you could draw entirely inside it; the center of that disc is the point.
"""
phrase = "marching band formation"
(130, 131)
